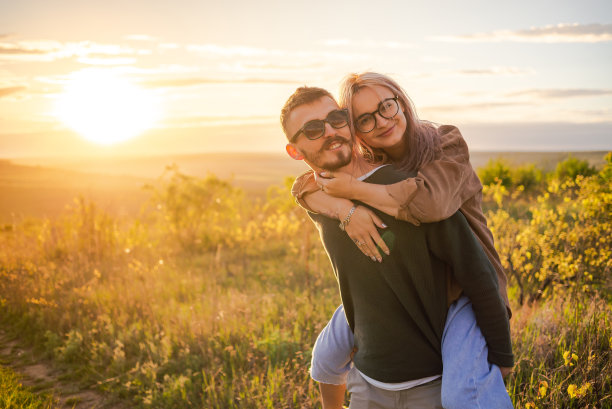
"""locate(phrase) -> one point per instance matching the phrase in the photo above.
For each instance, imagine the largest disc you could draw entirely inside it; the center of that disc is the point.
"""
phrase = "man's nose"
(329, 130)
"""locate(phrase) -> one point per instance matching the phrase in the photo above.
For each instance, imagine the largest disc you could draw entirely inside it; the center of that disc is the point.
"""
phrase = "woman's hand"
(362, 230)
(337, 184)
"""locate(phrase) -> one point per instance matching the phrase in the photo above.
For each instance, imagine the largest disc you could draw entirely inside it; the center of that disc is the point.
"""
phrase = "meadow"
(212, 297)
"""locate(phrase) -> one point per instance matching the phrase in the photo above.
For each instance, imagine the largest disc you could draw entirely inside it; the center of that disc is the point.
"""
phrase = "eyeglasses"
(388, 108)
(315, 128)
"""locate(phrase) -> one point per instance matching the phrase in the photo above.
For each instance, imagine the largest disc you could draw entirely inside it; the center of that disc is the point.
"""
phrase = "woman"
(387, 130)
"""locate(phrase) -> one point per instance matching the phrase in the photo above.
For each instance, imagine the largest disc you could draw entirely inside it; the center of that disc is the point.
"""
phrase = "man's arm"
(452, 241)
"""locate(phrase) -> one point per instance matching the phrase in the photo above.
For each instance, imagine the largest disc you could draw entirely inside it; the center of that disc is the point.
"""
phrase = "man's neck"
(357, 167)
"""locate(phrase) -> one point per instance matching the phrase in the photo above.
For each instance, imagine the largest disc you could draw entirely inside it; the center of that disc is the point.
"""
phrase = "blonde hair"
(421, 137)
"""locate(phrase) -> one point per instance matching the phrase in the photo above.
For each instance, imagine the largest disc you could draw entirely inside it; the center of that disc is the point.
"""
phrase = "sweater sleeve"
(304, 184)
(452, 241)
(440, 187)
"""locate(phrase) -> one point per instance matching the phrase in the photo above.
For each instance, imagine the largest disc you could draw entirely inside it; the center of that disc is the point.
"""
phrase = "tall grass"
(210, 299)
(14, 395)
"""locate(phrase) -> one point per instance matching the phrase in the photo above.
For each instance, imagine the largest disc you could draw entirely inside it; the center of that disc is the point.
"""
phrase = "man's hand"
(505, 371)
(362, 230)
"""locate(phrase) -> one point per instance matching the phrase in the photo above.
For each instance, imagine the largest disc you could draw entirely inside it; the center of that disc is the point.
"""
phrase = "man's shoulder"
(387, 175)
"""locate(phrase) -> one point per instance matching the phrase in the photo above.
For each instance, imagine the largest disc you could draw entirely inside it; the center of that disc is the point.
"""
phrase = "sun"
(105, 108)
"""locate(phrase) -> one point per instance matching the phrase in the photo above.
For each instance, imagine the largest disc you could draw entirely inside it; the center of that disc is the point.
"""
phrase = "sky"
(153, 77)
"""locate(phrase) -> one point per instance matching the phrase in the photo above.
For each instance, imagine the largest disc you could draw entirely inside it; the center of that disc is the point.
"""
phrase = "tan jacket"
(440, 188)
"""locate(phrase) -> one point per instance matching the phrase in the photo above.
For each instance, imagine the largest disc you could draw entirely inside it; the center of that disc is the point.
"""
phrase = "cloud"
(15, 50)
(106, 61)
(560, 93)
(140, 37)
(196, 121)
(10, 90)
(560, 33)
(495, 71)
(231, 51)
(470, 107)
(344, 42)
(304, 56)
(190, 82)
(53, 50)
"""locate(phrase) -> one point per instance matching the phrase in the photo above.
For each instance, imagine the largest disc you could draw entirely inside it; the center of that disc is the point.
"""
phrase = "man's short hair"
(301, 96)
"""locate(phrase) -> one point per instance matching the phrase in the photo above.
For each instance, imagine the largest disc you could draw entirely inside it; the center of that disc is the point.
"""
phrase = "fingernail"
(373, 258)
(380, 259)
(323, 173)
(384, 226)
(387, 252)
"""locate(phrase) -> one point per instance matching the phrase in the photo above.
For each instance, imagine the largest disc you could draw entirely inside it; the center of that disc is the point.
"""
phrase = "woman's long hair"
(421, 137)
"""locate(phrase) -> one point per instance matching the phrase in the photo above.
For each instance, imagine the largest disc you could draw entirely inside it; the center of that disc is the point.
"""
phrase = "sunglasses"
(315, 128)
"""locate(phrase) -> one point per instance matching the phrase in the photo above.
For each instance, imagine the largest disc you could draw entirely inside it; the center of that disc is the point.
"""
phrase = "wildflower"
(530, 405)
(571, 390)
(568, 357)
(574, 392)
(543, 388)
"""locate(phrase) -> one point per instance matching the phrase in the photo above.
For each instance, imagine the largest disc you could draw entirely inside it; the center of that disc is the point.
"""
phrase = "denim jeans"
(468, 379)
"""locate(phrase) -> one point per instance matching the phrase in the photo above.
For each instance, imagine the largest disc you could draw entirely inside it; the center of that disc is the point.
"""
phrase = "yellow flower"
(571, 390)
(543, 388)
(530, 405)
(584, 389)
(568, 357)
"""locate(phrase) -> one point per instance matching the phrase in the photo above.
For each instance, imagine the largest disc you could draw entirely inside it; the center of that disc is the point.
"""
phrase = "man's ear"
(293, 152)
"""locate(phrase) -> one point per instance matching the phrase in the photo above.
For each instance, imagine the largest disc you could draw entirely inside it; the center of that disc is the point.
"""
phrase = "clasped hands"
(364, 223)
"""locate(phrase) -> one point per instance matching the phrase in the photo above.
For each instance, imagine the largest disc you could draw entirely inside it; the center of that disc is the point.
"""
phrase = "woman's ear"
(293, 152)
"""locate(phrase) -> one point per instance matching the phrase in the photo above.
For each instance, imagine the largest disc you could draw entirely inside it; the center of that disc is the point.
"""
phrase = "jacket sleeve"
(441, 186)
(452, 241)
(304, 184)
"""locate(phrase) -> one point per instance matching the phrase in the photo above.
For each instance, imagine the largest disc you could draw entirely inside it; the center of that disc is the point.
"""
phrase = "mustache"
(333, 140)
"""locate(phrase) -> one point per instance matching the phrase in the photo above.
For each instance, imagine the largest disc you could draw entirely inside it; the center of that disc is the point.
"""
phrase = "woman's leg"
(468, 379)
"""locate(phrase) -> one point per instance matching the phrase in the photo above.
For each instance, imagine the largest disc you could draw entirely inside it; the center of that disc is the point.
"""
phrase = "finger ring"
(357, 242)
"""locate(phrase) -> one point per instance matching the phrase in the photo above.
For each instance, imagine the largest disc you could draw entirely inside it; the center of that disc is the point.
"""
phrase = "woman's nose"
(380, 120)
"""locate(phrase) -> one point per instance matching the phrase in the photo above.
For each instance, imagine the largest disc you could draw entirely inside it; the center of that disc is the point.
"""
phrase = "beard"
(337, 160)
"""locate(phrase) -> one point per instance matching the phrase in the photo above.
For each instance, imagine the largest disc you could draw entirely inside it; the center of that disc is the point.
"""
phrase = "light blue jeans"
(468, 379)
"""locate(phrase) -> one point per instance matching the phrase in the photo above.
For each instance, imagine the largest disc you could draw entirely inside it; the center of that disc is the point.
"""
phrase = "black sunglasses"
(315, 128)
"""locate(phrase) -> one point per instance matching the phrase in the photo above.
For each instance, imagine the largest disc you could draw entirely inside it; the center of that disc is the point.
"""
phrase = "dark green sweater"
(397, 308)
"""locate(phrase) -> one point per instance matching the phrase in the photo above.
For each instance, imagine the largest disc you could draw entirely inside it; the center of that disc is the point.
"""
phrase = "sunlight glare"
(105, 108)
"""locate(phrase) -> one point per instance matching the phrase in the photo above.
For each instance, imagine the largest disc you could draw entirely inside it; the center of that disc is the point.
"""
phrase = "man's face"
(331, 151)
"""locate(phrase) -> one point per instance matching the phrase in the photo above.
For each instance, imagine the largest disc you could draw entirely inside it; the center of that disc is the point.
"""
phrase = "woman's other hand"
(362, 229)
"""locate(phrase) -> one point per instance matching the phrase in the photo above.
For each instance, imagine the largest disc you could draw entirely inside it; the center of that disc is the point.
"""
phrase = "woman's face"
(387, 134)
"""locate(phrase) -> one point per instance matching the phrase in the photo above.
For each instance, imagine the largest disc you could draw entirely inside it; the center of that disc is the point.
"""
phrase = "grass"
(14, 395)
(211, 299)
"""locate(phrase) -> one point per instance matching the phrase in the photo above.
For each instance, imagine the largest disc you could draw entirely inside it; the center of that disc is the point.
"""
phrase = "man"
(397, 308)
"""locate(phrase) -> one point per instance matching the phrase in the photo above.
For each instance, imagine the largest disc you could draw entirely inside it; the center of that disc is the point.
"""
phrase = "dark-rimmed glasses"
(315, 128)
(387, 109)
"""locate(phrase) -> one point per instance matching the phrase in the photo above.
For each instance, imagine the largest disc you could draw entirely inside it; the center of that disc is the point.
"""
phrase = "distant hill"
(45, 186)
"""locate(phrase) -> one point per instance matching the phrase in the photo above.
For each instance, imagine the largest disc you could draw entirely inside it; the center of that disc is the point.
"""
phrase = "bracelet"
(347, 219)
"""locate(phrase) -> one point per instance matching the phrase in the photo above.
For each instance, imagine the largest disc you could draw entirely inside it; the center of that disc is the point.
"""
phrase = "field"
(208, 294)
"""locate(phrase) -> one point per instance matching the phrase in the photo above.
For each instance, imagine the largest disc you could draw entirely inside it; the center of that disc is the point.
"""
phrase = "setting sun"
(105, 108)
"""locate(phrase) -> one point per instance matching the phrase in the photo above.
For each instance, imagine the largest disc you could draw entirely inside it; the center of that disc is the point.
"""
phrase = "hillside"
(45, 186)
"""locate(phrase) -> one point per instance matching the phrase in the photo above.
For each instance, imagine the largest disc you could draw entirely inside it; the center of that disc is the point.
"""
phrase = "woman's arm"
(438, 190)
(363, 223)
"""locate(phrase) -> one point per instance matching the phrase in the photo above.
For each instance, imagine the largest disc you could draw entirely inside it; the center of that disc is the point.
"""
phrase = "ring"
(357, 242)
